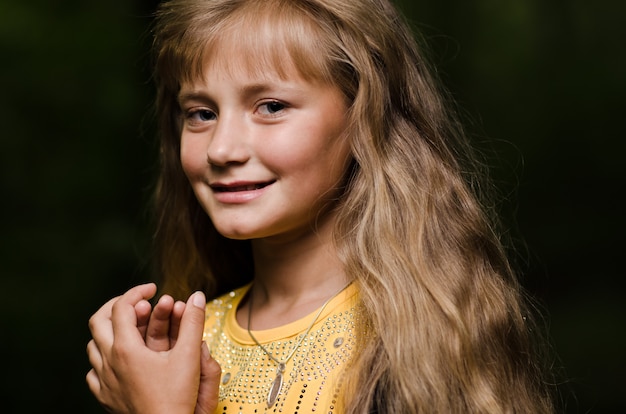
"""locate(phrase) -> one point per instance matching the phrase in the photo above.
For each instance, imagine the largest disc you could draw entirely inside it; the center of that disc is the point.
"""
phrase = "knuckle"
(92, 323)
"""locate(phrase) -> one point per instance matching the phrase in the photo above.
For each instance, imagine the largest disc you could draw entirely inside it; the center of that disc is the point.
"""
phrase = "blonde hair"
(445, 325)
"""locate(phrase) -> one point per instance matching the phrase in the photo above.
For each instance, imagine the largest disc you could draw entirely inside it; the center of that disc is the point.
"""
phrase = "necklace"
(277, 384)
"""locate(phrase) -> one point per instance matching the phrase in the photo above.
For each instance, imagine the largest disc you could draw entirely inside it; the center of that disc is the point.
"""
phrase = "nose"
(228, 143)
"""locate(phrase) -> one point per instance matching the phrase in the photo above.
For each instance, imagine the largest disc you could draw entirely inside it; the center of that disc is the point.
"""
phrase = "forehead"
(237, 60)
(247, 81)
(265, 44)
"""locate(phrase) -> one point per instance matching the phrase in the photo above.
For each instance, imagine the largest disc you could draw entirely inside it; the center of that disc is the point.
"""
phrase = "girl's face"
(266, 155)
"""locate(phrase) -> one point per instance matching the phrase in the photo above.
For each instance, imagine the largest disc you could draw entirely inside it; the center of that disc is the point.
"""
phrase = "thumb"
(192, 324)
(208, 391)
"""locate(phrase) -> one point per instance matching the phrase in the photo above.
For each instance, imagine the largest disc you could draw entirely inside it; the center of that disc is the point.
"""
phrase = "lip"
(239, 192)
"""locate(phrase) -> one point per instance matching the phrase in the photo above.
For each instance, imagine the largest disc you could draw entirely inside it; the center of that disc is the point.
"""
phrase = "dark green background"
(544, 82)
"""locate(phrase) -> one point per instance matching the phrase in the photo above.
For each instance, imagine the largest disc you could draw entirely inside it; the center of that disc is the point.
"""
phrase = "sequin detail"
(312, 380)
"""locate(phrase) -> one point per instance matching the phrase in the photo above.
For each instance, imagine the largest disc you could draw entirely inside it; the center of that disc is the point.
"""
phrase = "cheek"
(318, 162)
(192, 159)
(313, 169)
(289, 160)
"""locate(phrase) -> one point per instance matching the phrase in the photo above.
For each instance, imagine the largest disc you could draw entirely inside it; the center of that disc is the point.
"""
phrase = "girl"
(314, 178)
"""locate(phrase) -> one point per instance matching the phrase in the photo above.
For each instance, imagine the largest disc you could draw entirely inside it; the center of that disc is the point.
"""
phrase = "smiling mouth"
(219, 188)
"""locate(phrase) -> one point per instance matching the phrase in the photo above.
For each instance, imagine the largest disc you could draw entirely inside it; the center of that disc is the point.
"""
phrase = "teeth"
(250, 187)
(245, 187)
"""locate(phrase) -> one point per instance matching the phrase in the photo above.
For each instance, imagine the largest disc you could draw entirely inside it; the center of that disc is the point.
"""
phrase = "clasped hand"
(152, 361)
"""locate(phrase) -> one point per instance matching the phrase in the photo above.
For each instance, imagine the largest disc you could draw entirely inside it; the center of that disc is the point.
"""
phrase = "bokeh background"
(543, 82)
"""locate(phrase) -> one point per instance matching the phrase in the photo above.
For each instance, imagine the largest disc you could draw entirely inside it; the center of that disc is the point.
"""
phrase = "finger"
(143, 309)
(100, 325)
(192, 325)
(123, 315)
(177, 315)
(93, 382)
(208, 391)
(158, 333)
(93, 354)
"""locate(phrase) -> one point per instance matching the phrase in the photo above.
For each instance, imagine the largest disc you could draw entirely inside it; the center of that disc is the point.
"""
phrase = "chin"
(238, 233)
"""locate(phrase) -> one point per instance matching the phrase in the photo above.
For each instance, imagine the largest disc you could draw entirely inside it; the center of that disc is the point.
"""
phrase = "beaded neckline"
(277, 384)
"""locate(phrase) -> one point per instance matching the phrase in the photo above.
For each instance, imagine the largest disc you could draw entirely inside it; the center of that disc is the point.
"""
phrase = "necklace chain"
(281, 365)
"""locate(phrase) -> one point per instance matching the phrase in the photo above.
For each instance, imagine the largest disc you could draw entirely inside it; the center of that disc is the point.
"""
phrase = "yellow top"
(313, 375)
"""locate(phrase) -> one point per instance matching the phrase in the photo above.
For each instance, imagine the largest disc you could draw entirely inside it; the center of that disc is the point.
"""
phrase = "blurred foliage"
(542, 82)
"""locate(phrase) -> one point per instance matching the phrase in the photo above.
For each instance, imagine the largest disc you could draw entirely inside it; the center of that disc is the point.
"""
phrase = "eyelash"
(197, 116)
(268, 104)
(192, 115)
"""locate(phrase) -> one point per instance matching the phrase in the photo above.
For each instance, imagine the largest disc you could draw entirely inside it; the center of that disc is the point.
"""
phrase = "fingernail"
(206, 352)
(198, 300)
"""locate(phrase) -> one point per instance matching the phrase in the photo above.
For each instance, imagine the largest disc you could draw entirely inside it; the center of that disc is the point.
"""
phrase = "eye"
(196, 117)
(200, 115)
(271, 108)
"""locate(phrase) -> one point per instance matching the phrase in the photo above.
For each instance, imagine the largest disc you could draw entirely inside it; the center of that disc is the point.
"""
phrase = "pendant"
(277, 384)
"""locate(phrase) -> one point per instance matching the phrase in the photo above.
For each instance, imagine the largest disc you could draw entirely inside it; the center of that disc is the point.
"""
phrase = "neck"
(292, 279)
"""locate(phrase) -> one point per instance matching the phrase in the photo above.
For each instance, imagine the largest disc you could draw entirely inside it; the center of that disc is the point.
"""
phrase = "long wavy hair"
(445, 326)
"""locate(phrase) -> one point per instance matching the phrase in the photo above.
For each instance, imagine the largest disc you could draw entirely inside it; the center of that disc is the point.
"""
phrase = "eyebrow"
(191, 96)
(255, 88)
(246, 91)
